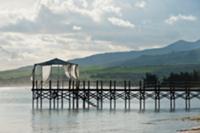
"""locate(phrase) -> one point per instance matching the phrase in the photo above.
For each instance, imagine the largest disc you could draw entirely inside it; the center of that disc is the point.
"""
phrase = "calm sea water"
(17, 116)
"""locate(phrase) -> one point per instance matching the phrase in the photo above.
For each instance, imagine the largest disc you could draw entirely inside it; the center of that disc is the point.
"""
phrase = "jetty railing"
(76, 94)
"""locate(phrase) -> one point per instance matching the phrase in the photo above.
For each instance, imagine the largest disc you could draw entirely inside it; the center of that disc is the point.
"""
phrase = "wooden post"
(155, 96)
(33, 98)
(101, 94)
(54, 99)
(77, 94)
(88, 94)
(129, 97)
(171, 97)
(189, 98)
(114, 95)
(33, 94)
(69, 93)
(97, 93)
(41, 94)
(62, 104)
(140, 95)
(62, 98)
(174, 98)
(50, 94)
(159, 85)
(84, 95)
(143, 96)
(125, 94)
(186, 108)
(73, 95)
(110, 88)
(57, 92)
(37, 97)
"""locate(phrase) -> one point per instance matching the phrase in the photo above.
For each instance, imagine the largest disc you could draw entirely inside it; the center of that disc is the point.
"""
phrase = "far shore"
(17, 85)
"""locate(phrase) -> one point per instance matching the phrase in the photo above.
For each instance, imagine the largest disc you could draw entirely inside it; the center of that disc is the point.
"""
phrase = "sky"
(33, 31)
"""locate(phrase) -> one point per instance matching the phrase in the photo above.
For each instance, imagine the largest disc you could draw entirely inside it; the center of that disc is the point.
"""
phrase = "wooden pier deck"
(88, 94)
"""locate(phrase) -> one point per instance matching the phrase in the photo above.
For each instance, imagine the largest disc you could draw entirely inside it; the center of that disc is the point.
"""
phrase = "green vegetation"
(182, 79)
(134, 73)
(22, 76)
(150, 78)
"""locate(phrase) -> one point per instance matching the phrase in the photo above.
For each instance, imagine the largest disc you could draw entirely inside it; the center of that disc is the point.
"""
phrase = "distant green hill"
(22, 76)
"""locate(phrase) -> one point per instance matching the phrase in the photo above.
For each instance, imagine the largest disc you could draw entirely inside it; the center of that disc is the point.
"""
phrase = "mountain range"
(132, 65)
(180, 52)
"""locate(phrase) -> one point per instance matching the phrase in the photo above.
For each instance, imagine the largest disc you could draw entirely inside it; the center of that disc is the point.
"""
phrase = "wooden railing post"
(50, 94)
(41, 93)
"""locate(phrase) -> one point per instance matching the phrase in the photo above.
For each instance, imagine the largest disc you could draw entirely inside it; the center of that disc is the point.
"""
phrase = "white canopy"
(70, 69)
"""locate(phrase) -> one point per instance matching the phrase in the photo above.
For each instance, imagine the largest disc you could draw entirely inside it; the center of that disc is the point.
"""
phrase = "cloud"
(20, 48)
(55, 16)
(45, 21)
(173, 19)
(94, 9)
(140, 4)
(120, 22)
(77, 28)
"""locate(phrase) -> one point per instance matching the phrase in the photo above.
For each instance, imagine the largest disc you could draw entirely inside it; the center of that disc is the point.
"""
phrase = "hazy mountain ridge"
(110, 59)
(131, 65)
(173, 58)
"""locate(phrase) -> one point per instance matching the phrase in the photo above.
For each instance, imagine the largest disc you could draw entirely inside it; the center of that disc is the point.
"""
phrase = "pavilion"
(54, 70)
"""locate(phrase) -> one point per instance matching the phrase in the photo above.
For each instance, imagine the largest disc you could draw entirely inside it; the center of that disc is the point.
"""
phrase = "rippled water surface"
(17, 116)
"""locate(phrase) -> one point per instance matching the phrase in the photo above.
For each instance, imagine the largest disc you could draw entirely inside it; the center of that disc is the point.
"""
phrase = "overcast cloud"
(35, 30)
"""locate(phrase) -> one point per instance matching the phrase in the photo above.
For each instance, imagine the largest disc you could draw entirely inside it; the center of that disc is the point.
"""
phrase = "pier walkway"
(75, 94)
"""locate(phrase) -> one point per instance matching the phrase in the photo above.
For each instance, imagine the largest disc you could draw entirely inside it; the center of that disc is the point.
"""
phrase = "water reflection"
(119, 121)
(16, 116)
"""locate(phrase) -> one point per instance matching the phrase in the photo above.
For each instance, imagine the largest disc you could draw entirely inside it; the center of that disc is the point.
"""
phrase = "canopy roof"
(71, 70)
(55, 61)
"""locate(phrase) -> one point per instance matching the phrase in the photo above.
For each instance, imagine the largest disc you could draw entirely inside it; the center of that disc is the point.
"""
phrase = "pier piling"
(94, 94)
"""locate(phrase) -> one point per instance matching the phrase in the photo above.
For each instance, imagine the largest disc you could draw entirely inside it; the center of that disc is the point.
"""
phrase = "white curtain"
(73, 72)
(67, 70)
(77, 72)
(46, 71)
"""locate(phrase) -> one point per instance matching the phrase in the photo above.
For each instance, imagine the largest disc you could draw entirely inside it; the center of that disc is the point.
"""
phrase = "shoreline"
(193, 129)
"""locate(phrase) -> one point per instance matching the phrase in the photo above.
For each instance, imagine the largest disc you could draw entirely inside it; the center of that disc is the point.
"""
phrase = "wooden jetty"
(67, 91)
(73, 93)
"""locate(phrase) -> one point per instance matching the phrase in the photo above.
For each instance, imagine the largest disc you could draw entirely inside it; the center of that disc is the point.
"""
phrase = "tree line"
(185, 77)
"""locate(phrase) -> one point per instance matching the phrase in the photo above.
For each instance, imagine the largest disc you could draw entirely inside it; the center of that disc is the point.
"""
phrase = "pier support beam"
(172, 99)
(142, 96)
(81, 92)
(187, 99)
(69, 93)
(101, 94)
(157, 96)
